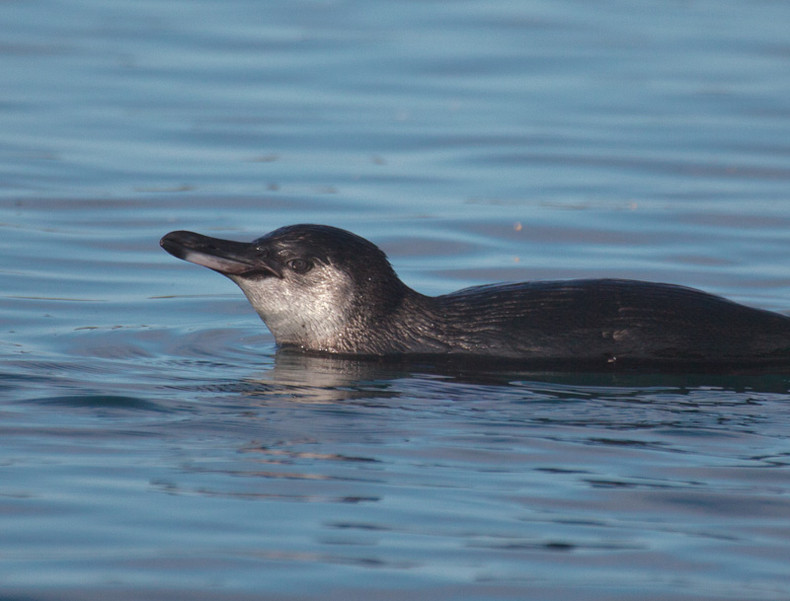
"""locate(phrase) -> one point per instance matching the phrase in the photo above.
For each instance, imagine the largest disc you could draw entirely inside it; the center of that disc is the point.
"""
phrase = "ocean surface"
(155, 445)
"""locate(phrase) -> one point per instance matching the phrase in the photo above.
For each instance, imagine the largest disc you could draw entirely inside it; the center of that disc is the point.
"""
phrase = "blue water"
(154, 444)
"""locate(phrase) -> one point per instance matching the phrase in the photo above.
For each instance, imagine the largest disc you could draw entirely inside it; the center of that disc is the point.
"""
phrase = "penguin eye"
(300, 265)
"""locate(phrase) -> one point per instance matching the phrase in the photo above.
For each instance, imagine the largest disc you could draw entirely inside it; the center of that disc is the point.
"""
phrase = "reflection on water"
(321, 378)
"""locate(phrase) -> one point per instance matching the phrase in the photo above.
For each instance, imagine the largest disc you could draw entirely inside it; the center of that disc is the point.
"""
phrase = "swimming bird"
(326, 290)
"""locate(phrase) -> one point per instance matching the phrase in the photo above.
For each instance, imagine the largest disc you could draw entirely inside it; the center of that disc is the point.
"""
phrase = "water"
(155, 444)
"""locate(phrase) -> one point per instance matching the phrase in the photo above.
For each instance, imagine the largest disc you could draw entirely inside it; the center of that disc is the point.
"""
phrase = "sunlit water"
(154, 444)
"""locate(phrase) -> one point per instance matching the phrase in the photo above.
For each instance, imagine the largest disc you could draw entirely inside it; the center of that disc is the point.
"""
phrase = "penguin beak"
(225, 256)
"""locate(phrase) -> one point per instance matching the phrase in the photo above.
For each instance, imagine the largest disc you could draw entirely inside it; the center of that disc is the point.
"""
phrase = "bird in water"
(323, 289)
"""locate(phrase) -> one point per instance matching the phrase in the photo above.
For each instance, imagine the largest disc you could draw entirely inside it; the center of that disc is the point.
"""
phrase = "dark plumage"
(324, 289)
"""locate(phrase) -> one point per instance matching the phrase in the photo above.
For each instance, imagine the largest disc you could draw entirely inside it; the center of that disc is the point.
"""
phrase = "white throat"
(311, 310)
